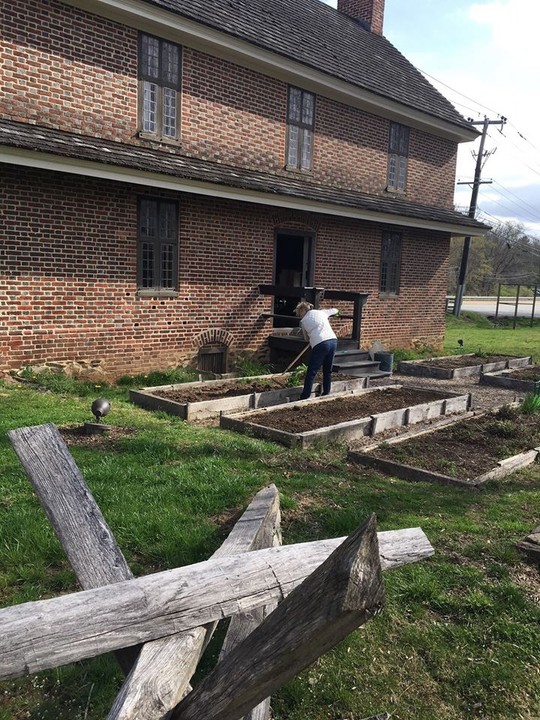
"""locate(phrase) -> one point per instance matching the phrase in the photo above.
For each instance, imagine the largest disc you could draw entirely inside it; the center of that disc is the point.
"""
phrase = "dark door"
(293, 268)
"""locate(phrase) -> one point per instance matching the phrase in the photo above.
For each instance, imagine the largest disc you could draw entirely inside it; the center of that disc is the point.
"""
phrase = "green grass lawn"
(459, 637)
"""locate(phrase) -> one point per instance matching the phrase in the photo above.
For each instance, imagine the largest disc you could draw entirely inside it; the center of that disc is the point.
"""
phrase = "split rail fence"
(287, 604)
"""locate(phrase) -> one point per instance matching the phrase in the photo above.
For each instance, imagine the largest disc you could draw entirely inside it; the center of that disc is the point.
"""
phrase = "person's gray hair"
(302, 308)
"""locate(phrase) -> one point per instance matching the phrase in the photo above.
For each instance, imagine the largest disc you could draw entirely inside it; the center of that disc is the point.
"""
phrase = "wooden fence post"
(163, 669)
(48, 633)
(339, 596)
(87, 540)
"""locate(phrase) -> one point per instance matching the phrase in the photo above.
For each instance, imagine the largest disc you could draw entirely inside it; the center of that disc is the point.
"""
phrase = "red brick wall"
(68, 288)
(372, 11)
(67, 69)
(72, 70)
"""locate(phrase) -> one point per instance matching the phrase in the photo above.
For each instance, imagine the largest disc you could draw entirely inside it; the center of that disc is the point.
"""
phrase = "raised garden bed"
(337, 419)
(456, 366)
(525, 380)
(198, 401)
(466, 452)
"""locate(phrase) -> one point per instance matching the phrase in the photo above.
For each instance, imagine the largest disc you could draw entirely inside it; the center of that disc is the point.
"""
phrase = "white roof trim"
(173, 27)
(89, 168)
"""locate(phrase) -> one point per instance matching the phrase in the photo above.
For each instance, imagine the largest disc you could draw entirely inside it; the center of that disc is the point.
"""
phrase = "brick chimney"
(368, 12)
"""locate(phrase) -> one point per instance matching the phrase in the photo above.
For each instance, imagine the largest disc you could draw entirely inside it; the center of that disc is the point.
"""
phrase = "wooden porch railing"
(315, 295)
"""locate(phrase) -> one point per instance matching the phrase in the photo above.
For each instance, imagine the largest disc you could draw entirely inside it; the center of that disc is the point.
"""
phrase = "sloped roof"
(70, 145)
(316, 35)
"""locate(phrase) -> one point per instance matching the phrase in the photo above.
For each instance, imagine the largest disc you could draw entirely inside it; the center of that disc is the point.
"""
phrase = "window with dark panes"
(157, 264)
(398, 153)
(159, 86)
(390, 262)
(300, 126)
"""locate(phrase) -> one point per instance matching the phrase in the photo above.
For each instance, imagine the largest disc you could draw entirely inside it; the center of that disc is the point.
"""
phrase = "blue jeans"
(321, 354)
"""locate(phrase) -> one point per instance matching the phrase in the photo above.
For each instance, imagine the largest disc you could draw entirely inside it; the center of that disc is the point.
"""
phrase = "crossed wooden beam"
(288, 604)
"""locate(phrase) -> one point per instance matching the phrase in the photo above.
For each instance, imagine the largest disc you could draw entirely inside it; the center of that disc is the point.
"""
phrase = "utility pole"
(472, 207)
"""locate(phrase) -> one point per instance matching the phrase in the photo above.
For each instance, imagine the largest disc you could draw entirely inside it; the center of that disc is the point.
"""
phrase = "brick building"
(162, 159)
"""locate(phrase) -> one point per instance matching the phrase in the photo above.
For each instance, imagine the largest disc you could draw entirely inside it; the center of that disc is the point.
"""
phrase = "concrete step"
(346, 356)
(364, 364)
(376, 374)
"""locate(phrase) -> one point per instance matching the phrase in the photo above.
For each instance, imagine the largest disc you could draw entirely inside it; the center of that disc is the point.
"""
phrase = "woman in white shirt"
(316, 329)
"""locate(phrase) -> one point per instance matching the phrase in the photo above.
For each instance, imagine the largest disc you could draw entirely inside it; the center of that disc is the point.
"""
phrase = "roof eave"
(88, 168)
(150, 18)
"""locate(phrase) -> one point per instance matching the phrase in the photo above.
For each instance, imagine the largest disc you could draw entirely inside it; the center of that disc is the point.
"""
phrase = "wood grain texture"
(243, 624)
(339, 596)
(87, 540)
(161, 676)
(49, 633)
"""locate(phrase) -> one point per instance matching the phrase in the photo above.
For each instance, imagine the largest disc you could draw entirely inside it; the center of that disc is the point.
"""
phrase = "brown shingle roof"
(316, 35)
(69, 145)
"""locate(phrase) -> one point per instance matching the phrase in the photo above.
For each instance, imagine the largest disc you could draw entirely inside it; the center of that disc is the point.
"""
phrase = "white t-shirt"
(316, 327)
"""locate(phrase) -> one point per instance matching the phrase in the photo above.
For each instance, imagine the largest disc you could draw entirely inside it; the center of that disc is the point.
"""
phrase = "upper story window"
(398, 153)
(390, 263)
(159, 86)
(157, 236)
(300, 126)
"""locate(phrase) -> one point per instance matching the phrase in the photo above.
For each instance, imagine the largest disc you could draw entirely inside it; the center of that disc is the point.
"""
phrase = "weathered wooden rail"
(159, 624)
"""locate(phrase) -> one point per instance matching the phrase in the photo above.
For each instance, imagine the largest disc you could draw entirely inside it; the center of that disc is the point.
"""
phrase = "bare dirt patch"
(468, 448)
(460, 361)
(77, 435)
(302, 418)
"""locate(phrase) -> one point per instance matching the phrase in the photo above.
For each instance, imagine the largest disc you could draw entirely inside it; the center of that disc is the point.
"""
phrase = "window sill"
(388, 296)
(299, 171)
(149, 293)
(390, 191)
(175, 142)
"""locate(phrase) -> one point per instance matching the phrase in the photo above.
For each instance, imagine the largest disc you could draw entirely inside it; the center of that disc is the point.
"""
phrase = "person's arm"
(331, 311)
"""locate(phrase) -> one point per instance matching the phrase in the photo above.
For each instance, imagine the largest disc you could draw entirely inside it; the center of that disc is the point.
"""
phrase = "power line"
(525, 205)
(493, 112)
(475, 110)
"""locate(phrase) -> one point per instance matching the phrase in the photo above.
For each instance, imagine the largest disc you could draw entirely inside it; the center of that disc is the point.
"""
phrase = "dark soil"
(77, 435)
(469, 448)
(311, 416)
(229, 388)
(216, 391)
(532, 372)
(459, 361)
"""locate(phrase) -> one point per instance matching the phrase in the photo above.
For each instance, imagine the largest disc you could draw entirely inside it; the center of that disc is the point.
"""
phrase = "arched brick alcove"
(213, 347)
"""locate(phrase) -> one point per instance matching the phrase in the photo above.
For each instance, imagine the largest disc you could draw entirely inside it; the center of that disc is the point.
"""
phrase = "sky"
(483, 57)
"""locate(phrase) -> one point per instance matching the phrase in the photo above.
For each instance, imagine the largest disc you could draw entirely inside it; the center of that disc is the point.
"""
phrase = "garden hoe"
(296, 359)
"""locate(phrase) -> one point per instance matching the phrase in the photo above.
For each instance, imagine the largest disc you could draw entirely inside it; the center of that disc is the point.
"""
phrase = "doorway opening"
(293, 268)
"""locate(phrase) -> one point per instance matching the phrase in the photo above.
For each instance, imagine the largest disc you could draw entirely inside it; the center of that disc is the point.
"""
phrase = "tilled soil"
(301, 418)
(469, 448)
(217, 391)
(459, 361)
(229, 388)
(532, 372)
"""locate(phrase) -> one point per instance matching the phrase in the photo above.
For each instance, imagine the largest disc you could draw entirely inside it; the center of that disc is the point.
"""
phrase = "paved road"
(507, 306)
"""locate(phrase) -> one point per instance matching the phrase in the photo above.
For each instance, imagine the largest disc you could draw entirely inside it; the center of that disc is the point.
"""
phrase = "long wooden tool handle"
(296, 359)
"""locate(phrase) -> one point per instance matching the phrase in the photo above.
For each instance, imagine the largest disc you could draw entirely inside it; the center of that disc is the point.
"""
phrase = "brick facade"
(68, 282)
(229, 114)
